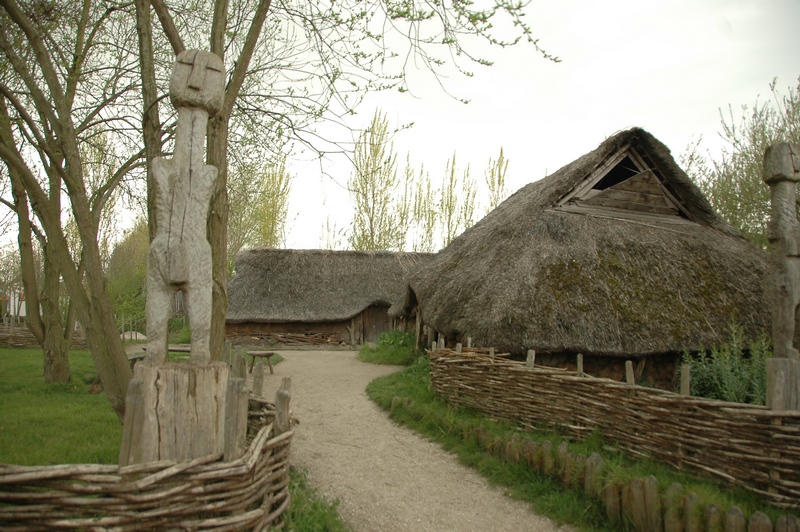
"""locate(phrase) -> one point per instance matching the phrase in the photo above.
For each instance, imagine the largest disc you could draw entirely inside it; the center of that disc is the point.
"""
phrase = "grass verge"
(307, 510)
(482, 443)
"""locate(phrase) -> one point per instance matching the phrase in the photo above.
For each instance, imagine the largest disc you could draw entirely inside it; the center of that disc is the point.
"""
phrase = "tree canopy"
(733, 181)
(95, 73)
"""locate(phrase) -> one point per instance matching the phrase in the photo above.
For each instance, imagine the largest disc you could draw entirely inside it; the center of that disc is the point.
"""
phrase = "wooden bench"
(261, 354)
(133, 358)
(175, 348)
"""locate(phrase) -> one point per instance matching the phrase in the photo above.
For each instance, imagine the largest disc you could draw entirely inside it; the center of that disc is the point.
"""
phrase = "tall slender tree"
(374, 185)
(495, 176)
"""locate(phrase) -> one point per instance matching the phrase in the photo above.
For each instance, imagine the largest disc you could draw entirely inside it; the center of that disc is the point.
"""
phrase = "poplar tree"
(374, 187)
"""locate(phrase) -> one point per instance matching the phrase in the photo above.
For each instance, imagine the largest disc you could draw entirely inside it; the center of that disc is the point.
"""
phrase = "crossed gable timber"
(624, 186)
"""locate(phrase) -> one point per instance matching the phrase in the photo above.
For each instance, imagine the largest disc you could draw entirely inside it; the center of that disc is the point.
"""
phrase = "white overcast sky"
(668, 66)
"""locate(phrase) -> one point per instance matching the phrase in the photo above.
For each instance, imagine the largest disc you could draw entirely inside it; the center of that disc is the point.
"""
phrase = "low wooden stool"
(261, 354)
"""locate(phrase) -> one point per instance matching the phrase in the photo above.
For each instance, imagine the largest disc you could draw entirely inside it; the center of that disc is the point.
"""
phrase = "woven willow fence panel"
(249, 493)
(743, 445)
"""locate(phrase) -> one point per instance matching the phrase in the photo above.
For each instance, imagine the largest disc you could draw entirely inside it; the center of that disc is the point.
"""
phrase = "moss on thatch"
(285, 285)
(531, 276)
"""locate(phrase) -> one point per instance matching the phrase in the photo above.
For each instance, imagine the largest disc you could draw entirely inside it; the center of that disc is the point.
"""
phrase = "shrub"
(393, 347)
(730, 372)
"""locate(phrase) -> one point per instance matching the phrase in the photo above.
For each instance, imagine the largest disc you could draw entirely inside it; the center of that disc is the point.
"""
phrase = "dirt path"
(386, 477)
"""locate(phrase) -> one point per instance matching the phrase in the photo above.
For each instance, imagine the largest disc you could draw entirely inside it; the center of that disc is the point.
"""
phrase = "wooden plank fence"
(748, 446)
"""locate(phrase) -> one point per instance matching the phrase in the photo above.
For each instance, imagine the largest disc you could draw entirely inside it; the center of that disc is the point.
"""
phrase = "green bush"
(730, 372)
(393, 347)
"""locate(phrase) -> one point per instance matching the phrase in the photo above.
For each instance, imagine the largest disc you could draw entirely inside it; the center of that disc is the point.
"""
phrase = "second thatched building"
(617, 256)
(316, 296)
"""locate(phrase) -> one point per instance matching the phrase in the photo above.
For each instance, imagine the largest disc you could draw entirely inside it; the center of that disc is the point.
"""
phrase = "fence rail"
(742, 445)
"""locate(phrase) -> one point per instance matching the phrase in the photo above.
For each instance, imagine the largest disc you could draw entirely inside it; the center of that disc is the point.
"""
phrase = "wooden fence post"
(282, 413)
(258, 379)
(235, 419)
(672, 508)
(713, 517)
(226, 352)
(629, 377)
(469, 341)
(692, 515)
(686, 379)
(652, 505)
(458, 347)
(579, 365)
(759, 522)
(591, 480)
(531, 361)
(734, 520)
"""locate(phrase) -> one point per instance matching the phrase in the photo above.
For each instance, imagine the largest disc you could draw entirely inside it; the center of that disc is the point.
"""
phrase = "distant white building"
(14, 303)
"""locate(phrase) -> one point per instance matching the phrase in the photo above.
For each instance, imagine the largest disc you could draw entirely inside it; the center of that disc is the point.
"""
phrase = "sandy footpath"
(387, 478)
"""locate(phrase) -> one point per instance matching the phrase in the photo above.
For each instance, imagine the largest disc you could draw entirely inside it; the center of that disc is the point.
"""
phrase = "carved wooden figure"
(781, 165)
(781, 173)
(180, 255)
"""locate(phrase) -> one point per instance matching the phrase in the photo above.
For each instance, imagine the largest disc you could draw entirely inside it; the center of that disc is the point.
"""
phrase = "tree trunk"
(54, 343)
(151, 122)
(56, 353)
(43, 314)
(217, 231)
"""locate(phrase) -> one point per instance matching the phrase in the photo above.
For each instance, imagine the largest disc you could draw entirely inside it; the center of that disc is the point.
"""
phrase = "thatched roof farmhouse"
(617, 254)
(339, 296)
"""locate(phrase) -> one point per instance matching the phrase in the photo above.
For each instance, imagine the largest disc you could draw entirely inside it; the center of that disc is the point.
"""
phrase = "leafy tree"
(733, 181)
(72, 71)
(375, 188)
(333, 237)
(314, 57)
(127, 270)
(65, 79)
(495, 176)
(259, 196)
(457, 201)
(425, 215)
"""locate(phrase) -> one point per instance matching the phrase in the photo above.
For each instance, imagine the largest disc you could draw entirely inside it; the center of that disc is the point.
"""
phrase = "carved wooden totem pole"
(180, 411)
(781, 173)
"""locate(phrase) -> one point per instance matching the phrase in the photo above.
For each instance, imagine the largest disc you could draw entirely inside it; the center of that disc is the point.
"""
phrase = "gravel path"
(386, 477)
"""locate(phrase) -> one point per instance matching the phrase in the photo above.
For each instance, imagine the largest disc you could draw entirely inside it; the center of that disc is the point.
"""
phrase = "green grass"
(53, 424)
(393, 347)
(307, 511)
(64, 424)
(479, 441)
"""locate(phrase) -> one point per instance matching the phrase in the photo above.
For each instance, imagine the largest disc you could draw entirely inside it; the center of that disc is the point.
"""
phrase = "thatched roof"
(287, 285)
(555, 271)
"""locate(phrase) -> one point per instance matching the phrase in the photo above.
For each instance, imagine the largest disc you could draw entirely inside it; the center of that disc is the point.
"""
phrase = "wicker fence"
(251, 492)
(18, 335)
(742, 445)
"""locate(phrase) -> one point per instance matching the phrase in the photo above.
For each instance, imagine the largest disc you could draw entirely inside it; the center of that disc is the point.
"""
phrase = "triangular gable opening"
(625, 187)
